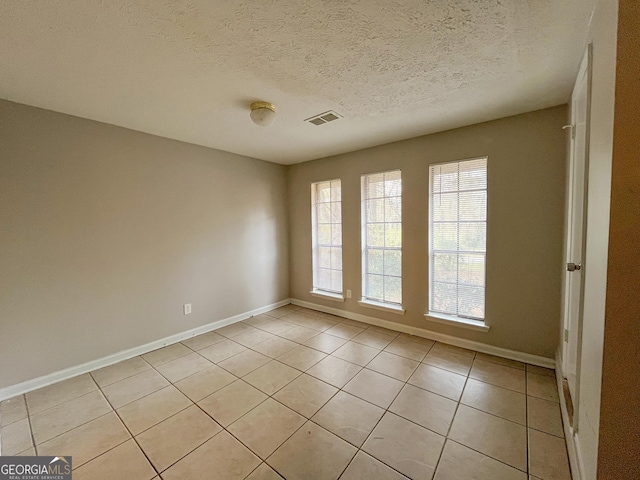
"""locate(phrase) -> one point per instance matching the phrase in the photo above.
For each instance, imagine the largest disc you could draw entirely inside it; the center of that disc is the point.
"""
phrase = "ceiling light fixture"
(263, 113)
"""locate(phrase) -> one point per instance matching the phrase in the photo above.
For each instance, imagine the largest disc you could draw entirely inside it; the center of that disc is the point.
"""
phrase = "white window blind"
(326, 201)
(382, 237)
(457, 238)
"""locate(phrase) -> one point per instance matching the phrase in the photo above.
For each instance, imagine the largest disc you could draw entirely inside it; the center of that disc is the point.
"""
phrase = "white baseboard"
(439, 337)
(573, 447)
(45, 380)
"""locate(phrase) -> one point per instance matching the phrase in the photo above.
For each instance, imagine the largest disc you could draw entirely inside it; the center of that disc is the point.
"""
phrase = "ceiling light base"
(263, 113)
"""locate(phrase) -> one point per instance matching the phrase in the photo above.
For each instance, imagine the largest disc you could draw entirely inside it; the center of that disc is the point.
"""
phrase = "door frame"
(585, 69)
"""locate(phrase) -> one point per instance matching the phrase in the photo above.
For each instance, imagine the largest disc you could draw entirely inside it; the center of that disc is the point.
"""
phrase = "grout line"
(546, 433)
(341, 389)
(78, 466)
(33, 438)
(170, 360)
(276, 400)
(120, 379)
(477, 409)
(158, 472)
(259, 465)
(458, 403)
(142, 396)
(99, 388)
(170, 416)
(239, 440)
(497, 386)
(385, 410)
(174, 414)
(491, 414)
(223, 429)
(455, 413)
(77, 426)
(349, 462)
(485, 455)
(33, 414)
(129, 431)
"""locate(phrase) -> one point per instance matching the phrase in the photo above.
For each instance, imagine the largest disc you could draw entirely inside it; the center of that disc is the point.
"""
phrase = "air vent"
(324, 117)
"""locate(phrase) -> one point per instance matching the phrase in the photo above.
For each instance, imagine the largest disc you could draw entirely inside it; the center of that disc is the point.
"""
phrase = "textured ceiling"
(189, 69)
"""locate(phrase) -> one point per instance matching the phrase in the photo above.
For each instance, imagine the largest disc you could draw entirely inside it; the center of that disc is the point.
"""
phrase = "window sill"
(457, 321)
(385, 307)
(336, 297)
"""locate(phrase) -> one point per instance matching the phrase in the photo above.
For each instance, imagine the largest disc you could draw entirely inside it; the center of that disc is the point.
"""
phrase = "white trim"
(580, 461)
(457, 321)
(571, 439)
(440, 337)
(45, 380)
(336, 297)
(385, 307)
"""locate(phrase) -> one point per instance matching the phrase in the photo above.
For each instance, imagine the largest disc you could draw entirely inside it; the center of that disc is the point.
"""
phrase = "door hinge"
(566, 335)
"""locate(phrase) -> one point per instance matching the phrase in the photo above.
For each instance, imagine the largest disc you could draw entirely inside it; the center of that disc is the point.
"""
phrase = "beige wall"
(526, 171)
(106, 232)
(618, 451)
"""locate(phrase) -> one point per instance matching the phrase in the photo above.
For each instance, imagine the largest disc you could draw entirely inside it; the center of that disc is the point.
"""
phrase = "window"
(382, 238)
(326, 218)
(457, 238)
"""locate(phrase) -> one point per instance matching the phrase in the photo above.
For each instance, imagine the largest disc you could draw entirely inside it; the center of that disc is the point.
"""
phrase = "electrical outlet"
(186, 308)
(348, 293)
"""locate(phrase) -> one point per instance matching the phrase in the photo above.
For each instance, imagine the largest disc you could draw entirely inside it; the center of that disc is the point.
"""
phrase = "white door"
(574, 273)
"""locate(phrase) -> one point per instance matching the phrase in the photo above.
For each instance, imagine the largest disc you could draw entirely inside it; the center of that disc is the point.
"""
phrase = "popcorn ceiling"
(188, 69)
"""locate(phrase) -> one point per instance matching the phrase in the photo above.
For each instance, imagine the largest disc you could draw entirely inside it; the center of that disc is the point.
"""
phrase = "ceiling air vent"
(323, 118)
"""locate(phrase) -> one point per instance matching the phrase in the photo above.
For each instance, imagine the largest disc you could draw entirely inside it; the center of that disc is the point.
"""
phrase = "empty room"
(311, 240)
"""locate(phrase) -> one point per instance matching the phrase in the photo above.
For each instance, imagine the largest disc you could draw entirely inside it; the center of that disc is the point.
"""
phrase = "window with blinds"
(382, 237)
(458, 238)
(326, 218)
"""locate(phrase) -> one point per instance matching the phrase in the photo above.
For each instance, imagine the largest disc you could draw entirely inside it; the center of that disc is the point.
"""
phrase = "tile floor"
(299, 394)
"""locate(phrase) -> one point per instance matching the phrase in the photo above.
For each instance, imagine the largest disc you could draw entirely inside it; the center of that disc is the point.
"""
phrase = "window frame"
(315, 290)
(438, 316)
(366, 301)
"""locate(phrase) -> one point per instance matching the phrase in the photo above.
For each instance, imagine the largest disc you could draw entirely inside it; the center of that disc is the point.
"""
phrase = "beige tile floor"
(299, 394)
